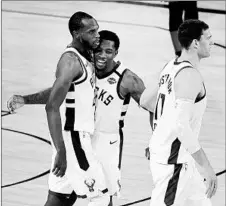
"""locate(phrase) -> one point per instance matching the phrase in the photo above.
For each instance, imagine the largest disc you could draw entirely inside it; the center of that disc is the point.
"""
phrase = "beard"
(86, 44)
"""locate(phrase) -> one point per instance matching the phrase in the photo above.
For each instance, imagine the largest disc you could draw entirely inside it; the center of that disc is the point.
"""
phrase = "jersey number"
(159, 108)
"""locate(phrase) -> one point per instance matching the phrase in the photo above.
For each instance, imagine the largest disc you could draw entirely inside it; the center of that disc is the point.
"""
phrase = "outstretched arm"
(149, 96)
(145, 97)
(37, 98)
(17, 101)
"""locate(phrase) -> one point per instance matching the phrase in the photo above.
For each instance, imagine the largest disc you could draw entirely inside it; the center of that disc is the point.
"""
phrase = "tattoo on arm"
(38, 98)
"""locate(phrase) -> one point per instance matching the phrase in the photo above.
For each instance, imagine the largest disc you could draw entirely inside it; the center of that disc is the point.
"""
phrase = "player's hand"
(15, 102)
(60, 164)
(211, 182)
(147, 153)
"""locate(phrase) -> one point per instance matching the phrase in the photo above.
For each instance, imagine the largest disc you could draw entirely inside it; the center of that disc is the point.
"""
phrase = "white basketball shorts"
(108, 148)
(84, 172)
(178, 185)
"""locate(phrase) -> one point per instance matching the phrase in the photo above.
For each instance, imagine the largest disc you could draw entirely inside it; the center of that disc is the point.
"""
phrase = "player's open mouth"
(100, 63)
(96, 43)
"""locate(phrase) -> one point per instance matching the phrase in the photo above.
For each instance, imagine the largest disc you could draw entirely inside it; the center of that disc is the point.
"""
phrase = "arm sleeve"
(183, 110)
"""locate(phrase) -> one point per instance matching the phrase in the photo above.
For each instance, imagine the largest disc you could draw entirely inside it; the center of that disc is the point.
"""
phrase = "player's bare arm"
(68, 69)
(149, 96)
(147, 101)
(17, 101)
(188, 84)
(37, 98)
(131, 84)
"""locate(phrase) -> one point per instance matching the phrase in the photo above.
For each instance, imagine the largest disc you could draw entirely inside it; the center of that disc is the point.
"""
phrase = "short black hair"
(111, 36)
(189, 30)
(75, 22)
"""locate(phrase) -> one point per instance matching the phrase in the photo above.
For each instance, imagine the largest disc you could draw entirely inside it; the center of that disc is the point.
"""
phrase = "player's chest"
(107, 90)
(90, 73)
(108, 84)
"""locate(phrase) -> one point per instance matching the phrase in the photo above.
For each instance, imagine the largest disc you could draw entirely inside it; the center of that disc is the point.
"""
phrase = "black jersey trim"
(200, 98)
(119, 83)
(177, 63)
(171, 190)
(174, 153)
(185, 67)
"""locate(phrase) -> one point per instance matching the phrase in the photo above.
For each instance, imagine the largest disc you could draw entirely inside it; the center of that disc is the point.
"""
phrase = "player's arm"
(147, 101)
(17, 101)
(188, 84)
(131, 84)
(37, 98)
(145, 97)
(149, 96)
(187, 87)
(68, 68)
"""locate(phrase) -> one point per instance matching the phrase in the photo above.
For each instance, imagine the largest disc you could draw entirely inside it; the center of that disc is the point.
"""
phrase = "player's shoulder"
(68, 63)
(188, 73)
(126, 73)
(69, 56)
(130, 76)
(188, 79)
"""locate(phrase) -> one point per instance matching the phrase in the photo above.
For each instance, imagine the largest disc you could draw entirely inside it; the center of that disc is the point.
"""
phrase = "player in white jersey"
(180, 105)
(70, 115)
(115, 85)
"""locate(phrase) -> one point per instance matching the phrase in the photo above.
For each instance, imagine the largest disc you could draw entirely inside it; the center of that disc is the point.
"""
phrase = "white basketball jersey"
(77, 110)
(111, 108)
(165, 147)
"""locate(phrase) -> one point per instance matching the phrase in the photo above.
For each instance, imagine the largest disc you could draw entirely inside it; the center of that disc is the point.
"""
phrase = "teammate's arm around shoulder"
(132, 84)
(68, 68)
(188, 84)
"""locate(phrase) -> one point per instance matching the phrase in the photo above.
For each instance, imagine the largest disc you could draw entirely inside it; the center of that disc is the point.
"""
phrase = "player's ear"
(76, 34)
(195, 43)
(116, 52)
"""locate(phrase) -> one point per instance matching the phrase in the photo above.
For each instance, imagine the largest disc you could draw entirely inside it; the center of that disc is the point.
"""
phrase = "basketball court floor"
(34, 34)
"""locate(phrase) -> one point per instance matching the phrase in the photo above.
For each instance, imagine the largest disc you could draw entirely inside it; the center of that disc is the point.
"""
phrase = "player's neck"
(190, 56)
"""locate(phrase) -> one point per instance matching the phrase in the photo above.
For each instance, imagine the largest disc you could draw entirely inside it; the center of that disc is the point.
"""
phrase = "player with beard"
(70, 115)
(115, 85)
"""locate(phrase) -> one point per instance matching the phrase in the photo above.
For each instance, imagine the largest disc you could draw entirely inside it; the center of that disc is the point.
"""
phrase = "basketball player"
(180, 105)
(115, 85)
(70, 115)
(176, 11)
